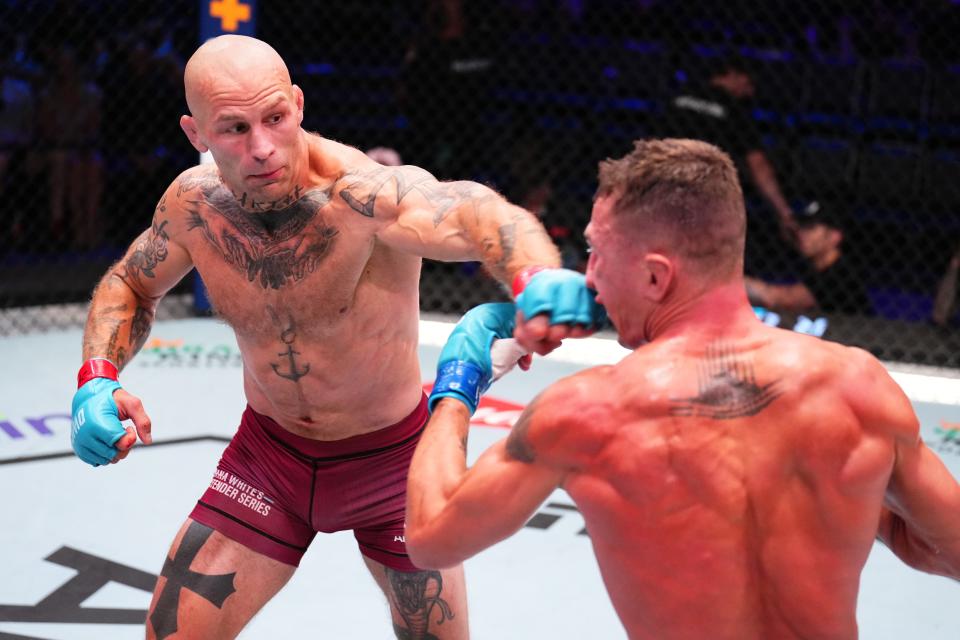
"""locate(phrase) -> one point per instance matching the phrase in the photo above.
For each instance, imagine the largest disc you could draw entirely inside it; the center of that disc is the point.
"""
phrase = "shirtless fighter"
(723, 466)
(311, 251)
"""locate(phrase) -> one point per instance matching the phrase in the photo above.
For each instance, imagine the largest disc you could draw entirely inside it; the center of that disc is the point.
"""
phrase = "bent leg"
(424, 605)
(211, 586)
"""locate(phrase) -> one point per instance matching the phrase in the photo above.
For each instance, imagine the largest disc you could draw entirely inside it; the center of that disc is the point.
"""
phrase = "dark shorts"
(274, 490)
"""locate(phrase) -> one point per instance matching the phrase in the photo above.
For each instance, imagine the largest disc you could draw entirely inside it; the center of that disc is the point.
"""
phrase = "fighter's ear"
(660, 273)
(298, 98)
(189, 126)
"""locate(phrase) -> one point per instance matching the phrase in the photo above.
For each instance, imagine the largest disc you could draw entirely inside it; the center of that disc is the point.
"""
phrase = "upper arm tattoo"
(361, 189)
(149, 252)
(519, 446)
(727, 387)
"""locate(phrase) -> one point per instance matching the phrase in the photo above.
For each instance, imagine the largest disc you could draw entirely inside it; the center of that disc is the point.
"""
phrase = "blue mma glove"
(96, 428)
(465, 368)
(561, 293)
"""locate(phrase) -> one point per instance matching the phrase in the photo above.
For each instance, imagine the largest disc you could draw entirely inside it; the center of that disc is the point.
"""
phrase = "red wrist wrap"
(96, 368)
(522, 279)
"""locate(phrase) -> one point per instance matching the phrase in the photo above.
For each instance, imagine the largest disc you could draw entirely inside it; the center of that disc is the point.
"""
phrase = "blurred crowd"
(92, 92)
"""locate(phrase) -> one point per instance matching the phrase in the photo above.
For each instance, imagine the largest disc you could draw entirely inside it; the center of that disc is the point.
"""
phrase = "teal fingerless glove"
(561, 293)
(95, 428)
(465, 370)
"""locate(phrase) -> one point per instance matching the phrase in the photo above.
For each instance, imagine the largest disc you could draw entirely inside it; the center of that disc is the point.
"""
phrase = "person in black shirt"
(717, 111)
(828, 282)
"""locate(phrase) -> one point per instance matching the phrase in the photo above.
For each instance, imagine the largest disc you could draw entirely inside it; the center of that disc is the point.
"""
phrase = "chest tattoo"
(727, 388)
(282, 245)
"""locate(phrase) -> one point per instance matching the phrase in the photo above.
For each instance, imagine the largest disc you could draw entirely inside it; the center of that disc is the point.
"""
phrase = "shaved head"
(246, 112)
(231, 63)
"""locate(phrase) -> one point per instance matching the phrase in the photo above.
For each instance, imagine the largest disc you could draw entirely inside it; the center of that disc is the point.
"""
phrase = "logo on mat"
(177, 354)
(43, 425)
(491, 412)
(947, 437)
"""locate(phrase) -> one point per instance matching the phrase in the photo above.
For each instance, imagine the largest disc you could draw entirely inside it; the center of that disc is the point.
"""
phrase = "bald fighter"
(311, 251)
(732, 475)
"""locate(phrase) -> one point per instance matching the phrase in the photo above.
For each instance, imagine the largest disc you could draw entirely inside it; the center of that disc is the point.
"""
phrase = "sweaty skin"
(733, 477)
(309, 250)
(739, 474)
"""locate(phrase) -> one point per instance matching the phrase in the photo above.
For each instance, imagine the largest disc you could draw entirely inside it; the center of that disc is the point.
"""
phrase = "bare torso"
(325, 314)
(733, 492)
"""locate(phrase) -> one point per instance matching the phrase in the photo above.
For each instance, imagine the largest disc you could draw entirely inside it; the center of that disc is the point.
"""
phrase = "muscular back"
(731, 488)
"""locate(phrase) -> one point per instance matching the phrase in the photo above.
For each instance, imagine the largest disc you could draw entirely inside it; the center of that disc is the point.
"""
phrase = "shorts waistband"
(354, 446)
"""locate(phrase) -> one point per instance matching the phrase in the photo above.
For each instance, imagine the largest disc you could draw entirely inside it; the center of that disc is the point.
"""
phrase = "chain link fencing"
(842, 118)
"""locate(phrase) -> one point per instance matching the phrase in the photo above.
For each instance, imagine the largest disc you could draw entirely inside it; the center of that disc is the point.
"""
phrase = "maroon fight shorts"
(274, 490)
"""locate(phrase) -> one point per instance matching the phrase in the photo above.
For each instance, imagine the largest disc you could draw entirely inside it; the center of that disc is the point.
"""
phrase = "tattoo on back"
(727, 388)
(274, 243)
(415, 595)
(215, 588)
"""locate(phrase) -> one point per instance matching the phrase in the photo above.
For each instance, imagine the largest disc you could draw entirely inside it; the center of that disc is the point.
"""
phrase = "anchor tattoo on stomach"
(288, 367)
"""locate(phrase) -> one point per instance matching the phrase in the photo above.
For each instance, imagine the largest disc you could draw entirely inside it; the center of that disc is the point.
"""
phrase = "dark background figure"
(715, 106)
(17, 104)
(828, 281)
(851, 99)
(69, 110)
(448, 71)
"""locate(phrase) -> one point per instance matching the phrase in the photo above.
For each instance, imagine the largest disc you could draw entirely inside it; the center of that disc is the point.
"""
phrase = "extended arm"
(920, 521)
(454, 512)
(782, 297)
(452, 221)
(468, 221)
(765, 179)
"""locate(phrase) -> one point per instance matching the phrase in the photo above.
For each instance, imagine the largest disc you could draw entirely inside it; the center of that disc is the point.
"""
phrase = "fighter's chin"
(630, 341)
(630, 344)
(266, 191)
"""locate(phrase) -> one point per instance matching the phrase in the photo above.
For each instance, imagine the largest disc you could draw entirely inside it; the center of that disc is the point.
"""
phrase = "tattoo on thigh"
(214, 588)
(415, 595)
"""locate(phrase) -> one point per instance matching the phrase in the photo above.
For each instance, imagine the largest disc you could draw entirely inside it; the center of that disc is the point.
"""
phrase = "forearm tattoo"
(283, 246)
(140, 327)
(727, 387)
(508, 240)
(103, 334)
(214, 588)
(415, 596)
